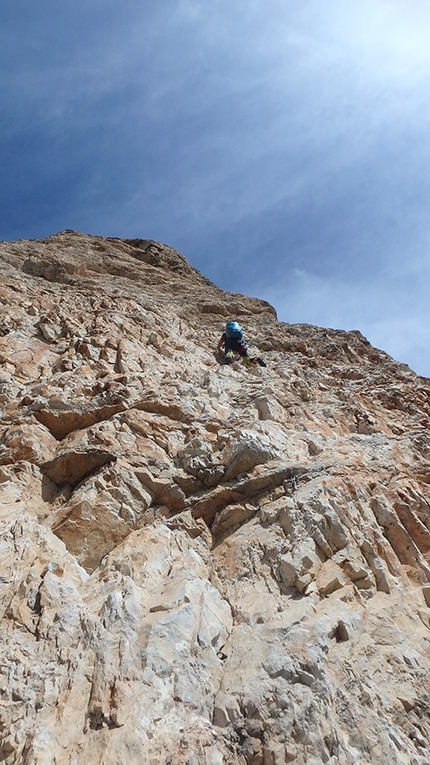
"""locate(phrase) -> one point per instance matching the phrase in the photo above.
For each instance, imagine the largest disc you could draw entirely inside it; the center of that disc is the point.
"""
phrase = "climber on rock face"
(232, 344)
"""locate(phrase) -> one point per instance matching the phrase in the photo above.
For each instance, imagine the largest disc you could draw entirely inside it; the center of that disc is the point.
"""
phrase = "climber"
(232, 343)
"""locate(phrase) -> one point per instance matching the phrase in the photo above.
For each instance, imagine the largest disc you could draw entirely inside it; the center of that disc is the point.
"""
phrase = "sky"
(283, 146)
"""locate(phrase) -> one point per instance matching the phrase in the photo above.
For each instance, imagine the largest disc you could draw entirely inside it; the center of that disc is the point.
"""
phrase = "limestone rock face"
(203, 564)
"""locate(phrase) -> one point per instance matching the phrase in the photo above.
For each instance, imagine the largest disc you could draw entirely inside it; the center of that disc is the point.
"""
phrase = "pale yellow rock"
(426, 593)
(330, 578)
(202, 564)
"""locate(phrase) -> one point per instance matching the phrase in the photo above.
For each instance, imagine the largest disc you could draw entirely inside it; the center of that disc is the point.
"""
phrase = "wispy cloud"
(285, 145)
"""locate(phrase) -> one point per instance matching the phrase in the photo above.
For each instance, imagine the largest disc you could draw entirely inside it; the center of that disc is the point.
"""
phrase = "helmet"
(233, 330)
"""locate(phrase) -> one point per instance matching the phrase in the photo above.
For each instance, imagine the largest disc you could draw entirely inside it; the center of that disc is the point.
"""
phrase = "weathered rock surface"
(201, 564)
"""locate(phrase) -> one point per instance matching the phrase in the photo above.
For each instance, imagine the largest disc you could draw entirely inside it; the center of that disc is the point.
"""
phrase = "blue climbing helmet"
(233, 330)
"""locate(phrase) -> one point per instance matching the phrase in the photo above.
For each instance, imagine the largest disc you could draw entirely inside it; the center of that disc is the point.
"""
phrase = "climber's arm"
(220, 343)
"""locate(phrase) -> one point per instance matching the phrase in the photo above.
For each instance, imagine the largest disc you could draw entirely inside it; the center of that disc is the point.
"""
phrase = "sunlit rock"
(202, 564)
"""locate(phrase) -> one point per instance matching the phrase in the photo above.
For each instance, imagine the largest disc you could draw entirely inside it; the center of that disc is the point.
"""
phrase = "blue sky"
(282, 146)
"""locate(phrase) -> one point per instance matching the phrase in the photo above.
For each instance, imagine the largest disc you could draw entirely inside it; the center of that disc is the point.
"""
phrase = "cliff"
(202, 564)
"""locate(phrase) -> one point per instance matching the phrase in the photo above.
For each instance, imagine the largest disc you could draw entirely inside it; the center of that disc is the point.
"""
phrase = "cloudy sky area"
(282, 146)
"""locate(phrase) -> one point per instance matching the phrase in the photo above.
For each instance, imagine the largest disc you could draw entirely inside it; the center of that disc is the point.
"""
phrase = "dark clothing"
(232, 344)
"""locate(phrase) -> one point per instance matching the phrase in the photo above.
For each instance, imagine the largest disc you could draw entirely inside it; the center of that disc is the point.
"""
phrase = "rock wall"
(202, 564)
